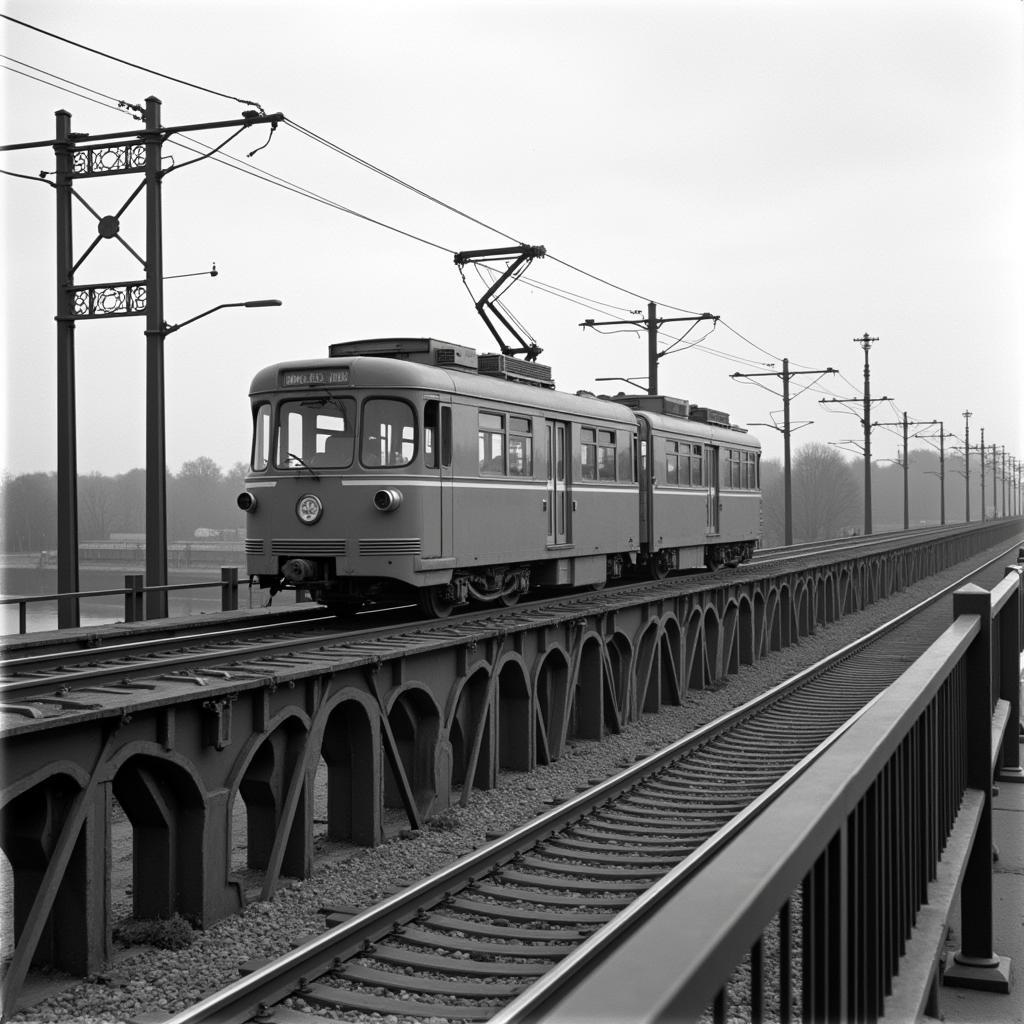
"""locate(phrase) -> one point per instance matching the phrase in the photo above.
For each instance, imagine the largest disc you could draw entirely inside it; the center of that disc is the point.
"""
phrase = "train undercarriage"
(498, 585)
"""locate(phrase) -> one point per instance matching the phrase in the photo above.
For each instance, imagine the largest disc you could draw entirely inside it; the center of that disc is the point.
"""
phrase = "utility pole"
(967, 465)
(981, 450)
(85, 156)
(786, 431)
(865, 343)
(995, 492)
(652, 324)
(906, 461)
(1002, 475)
(67, 443)
(942, 469)
(156, 452)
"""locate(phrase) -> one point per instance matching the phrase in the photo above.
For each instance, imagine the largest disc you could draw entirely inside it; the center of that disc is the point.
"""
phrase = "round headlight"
(246, 501)
(387, 499)
(309, 509)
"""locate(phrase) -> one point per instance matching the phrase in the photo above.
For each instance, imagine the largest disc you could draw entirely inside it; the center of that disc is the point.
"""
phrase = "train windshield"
(388, 434)
(316, 431)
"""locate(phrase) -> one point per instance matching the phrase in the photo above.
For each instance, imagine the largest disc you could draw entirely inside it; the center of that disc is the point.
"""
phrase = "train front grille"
(331, 546)
(390, 546)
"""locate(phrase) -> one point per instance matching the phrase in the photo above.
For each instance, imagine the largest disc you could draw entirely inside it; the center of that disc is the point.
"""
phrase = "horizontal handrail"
(133, 592)
(857, 820)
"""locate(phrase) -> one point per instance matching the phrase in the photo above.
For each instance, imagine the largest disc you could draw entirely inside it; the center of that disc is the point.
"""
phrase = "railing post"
(134, 593)
(229, 588)
(975, 965)
(1010, 769)
(22, 617)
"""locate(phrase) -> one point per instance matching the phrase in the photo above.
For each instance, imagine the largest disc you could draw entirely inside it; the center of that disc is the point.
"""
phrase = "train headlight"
(309, 509)
(387, 499)
(246, 501)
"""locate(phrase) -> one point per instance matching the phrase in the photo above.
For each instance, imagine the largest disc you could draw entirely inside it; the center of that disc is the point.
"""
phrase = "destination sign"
(314, 378)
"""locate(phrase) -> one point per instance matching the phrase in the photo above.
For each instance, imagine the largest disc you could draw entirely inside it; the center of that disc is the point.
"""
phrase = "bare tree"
(827, 498)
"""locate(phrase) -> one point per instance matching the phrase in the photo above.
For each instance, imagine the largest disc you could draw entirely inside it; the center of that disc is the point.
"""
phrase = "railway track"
(468, 943)
(33, 672)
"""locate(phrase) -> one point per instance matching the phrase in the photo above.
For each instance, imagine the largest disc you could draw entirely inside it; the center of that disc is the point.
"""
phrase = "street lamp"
(251, 304)
(156, 463)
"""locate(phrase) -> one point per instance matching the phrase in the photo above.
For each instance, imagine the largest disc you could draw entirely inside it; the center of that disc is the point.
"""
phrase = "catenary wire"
(235, 164)
(53, 85)
(367, 164)
(393, 178)
(78, 85)
(131, 64)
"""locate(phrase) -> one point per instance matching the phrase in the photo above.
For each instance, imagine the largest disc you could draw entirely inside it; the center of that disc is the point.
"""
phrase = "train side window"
(446, 435)
(520, 446)
(491, 443)
(261, 437)
(685, 451)
(389, 433)
(588, 453)
(672, 462)
(625, 449)
(606, 454)
(696, 464)
(430, 434)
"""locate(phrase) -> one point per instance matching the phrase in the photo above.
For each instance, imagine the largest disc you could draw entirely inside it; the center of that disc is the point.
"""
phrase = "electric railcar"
(410, 467)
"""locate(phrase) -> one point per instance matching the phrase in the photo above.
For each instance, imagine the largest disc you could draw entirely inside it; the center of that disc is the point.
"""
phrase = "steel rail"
(164, 654)
(150, 637)
(255, 993)
(149, 643)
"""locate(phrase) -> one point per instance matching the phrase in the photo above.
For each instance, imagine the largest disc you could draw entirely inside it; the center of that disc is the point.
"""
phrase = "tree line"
(199, 497)
(828, 499)
(828, 493)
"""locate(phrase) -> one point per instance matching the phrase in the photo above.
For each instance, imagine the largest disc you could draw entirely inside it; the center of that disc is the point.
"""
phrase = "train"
(402, 469)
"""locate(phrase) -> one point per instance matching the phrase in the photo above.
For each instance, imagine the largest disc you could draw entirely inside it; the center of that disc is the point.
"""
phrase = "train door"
(437, 461)
(711, 482)
(558, 505)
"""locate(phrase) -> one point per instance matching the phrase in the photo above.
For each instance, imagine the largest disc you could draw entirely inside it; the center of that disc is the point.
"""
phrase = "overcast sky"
(808, 170)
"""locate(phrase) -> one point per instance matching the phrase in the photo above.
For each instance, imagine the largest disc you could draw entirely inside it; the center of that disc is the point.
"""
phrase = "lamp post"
(156, 464)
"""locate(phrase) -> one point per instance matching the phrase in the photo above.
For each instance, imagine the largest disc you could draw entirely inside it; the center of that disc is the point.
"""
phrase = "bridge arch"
(415, 723)
(469, 731)
(167, 810)
(273, 763)
(515, 739)
(350, 749)
(555, 706)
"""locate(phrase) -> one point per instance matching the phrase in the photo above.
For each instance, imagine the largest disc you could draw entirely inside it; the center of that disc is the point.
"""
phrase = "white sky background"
(808, 170)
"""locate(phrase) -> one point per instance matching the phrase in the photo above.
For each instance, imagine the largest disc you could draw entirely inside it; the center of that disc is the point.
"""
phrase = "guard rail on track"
(848, 879)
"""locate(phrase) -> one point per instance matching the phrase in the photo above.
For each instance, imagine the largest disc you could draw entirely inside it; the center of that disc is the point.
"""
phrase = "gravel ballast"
(142, 978)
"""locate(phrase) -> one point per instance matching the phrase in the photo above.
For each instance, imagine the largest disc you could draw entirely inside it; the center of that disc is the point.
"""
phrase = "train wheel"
(657, 567)
(434, 603)
(509, 599)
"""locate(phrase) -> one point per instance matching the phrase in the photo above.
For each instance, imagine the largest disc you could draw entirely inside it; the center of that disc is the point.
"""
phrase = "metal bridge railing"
(832, 904)
(134, 591)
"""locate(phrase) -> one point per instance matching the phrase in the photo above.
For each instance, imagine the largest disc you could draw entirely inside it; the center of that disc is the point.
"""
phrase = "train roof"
(737, 437)
(384, 373)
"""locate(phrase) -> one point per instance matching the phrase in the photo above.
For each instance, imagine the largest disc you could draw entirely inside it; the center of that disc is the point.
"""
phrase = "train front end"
(343, 493)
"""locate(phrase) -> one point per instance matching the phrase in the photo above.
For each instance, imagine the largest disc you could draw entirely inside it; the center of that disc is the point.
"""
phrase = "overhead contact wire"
(314, 136)
(131, 64)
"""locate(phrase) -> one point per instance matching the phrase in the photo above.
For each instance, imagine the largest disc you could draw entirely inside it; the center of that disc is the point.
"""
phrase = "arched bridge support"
(415, 724)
